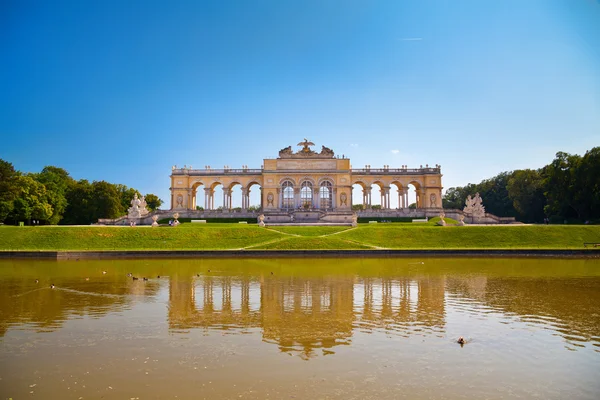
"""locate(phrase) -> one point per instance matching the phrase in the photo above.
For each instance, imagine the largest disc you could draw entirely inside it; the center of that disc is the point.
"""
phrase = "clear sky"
(122, 90)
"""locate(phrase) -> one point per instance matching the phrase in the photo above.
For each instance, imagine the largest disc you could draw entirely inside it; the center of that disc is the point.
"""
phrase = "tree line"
(567, 189)
(52, 196)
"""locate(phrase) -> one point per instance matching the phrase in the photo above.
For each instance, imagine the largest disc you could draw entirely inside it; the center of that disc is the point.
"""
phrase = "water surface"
(335, 328)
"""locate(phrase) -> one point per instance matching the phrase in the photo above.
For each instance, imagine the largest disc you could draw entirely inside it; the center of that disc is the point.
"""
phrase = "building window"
(306, 194)
(325, 195)
(288, 194)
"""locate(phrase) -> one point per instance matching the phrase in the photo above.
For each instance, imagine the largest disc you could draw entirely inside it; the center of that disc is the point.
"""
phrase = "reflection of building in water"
(303, 314)
(400, 304)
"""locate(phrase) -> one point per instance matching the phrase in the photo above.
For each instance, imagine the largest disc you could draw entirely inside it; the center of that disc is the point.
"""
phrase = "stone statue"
(287, 151)
(474, 206)
(461, 220)
(270, 199)
(154, 219)
(433, 200)
(441, 221)
(354, 219)
(478, 208)
(306, 151)
(138, 208)
(179, 201)
(468, 205)
(326, 151)
(343, 199)
(175, 217)
(261, 220)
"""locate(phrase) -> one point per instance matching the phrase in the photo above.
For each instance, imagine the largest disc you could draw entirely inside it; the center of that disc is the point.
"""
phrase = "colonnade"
(403, 201)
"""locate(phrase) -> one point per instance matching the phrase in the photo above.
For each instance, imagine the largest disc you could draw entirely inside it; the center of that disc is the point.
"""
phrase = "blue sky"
(122, 90)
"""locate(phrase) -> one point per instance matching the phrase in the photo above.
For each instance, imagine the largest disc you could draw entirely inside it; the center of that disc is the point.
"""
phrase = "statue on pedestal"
(138, 208)
(261, 220)
(441, 221)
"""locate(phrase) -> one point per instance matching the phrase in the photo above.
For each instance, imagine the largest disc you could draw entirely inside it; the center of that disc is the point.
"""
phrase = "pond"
(329, 328)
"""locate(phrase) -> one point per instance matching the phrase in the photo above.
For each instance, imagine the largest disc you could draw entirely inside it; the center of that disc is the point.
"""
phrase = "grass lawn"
(238, 236)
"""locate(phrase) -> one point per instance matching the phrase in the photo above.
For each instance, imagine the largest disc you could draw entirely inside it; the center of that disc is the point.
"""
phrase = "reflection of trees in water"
(567, 305)
(302, 314)
(24, 301)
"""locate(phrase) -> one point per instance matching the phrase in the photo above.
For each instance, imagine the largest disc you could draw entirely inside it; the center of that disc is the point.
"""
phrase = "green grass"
(237, 236)
(398, 236)
(309, 231)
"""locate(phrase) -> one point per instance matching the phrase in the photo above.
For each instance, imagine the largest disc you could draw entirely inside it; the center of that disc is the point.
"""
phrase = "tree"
(106, 201)
(153, 201)
(8, 188)
(526, 190)
(57, 182)
(31, 201)
(563, 192)
(79, 205)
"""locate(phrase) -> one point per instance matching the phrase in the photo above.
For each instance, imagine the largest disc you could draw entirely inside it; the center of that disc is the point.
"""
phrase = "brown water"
(300, 328)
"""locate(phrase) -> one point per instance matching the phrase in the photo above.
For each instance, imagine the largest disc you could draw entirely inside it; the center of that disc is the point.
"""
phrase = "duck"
(461, 340)
(37, 281)
(87, 279)
(157, 276)
(134, 278)
(144, 278)
(130, 275)
(103, 272)
(52, 286)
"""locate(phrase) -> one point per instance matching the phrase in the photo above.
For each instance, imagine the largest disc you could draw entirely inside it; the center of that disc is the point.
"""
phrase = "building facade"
(305, 180)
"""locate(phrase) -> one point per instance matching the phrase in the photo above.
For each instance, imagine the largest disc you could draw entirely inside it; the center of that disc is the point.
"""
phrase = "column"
(316, 195)
(244, 199)
(296, 197)
(206, 198)
(400, 199)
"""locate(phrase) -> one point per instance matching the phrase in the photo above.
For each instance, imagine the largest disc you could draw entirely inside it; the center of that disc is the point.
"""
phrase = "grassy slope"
(215, 236)
(234, 236)
(475, 237)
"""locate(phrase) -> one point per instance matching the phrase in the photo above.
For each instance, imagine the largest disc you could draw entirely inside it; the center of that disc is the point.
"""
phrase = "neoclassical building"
(305, 180)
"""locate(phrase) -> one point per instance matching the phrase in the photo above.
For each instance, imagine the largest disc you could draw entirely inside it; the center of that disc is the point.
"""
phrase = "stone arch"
(397, 195)
(198, 195)
(326, 179)
(416, 194)
(360, 193)
(253, 196)
(307, 179)
(287, 194)
(287, 178)
(378, 192)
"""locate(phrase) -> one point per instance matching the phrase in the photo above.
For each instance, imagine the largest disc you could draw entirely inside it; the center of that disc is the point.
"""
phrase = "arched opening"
(359, 196)
(254, 197)
(198, 196)
(216, 197)
(287, 195)
(376, 195)
(326, 195)
(397, 196)
(306, 194)
(414, 200)
(235, 197)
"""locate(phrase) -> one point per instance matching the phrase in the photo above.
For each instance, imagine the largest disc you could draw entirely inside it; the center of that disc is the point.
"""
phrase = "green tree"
(153, 201)
(57, 182)
(31, 201)
(106, 201)
(563, 191)
(588, 176)
(79, 205)
(126, 194)
(8, 188)
(526, 190)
